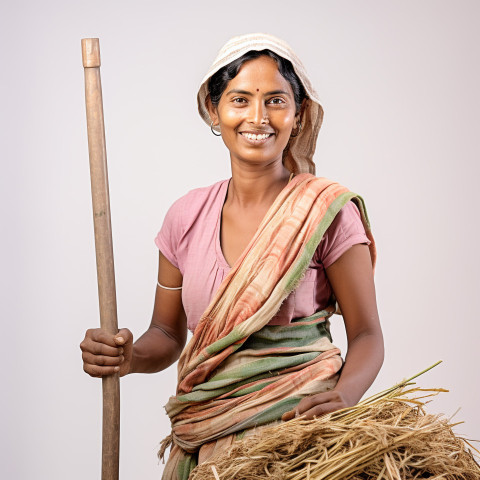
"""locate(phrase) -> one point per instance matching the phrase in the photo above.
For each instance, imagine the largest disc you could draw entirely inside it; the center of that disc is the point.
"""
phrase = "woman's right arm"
(156, 349)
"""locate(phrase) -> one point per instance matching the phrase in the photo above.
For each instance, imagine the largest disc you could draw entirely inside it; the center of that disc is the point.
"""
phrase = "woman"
(253, 266)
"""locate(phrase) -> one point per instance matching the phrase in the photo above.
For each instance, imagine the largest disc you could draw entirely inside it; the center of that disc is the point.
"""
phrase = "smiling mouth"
(253, 136)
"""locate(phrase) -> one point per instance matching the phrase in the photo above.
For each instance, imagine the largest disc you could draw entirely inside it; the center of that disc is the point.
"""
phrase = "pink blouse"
(190, 240)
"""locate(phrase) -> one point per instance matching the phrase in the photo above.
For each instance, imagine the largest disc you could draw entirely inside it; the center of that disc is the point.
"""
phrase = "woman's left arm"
(351, 278)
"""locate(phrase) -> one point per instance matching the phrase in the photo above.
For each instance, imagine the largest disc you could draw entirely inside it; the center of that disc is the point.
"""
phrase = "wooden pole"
(103, 248)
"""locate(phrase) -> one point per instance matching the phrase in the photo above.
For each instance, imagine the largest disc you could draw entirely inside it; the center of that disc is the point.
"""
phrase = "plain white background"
(399, 84)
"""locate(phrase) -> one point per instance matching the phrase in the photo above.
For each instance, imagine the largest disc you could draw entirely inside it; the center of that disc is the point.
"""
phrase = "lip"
(256, 142)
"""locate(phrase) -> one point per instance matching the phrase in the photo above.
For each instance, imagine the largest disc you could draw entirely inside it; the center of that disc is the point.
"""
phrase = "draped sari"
(237, 372)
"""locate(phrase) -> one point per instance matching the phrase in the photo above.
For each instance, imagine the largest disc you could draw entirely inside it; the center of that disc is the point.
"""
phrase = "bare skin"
(258, 100)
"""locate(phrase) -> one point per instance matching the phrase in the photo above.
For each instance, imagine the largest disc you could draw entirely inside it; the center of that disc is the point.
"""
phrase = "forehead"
(260, 73)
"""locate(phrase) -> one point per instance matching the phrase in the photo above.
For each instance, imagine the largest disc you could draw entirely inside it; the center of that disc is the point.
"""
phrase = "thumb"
(124, 337)
(124, 340)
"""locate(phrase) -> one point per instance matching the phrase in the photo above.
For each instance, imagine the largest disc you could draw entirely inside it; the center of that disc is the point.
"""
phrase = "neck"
(253, 186)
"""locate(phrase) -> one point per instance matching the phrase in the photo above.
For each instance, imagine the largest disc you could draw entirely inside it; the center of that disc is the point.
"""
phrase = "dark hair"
(219, 80)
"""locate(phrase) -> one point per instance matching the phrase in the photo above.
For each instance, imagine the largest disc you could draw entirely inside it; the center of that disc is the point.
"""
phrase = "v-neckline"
(222, 261)
(218, 244)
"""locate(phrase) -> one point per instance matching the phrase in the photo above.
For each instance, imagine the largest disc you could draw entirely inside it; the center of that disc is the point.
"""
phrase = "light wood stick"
(103, 248)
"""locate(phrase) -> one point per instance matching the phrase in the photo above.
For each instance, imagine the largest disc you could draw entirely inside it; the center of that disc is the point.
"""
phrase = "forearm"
(154, 351)
(362, 363)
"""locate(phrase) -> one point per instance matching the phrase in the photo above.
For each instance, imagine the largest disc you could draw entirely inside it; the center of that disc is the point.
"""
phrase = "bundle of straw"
(386, 436)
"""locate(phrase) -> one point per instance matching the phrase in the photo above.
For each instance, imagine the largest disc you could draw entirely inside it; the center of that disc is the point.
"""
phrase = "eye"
(239, 100)
(276, 101)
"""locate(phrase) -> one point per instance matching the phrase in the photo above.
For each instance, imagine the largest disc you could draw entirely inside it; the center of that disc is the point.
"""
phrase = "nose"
(258, 112)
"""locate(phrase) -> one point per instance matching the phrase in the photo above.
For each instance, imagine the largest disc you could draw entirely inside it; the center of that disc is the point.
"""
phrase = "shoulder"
(195, 206)
(188, 206)
(347, 226)
(308, 180)
(346, 230)
(311, 188)
(201, 194)
(192, 210)
(348, 214)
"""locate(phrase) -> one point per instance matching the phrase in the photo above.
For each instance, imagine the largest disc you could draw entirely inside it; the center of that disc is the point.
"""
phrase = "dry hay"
(387, 436)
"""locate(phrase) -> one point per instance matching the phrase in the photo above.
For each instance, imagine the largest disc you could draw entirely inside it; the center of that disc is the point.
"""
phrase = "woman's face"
(256, 113)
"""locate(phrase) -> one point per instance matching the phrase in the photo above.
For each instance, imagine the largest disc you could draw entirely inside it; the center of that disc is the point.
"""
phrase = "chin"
(260, 160)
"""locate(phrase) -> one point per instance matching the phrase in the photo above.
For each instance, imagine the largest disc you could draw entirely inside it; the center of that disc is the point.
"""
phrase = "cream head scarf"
(298, 156)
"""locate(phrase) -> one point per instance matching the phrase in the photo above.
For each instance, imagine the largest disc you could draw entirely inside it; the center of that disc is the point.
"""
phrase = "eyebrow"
(245, 92)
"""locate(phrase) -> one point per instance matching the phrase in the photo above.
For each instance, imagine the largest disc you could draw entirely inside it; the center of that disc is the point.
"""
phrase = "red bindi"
(257, 90)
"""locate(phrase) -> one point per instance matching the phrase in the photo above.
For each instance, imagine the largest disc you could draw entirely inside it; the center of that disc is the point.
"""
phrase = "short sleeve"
(345, 231)
(168, 238)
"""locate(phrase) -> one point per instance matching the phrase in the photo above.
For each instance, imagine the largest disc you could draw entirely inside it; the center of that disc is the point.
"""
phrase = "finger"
(323, 409)
(96, 371)
(101, 336)
(97, 348)
(291, 415)
(288, 415)
(311, 401)
(102, 360)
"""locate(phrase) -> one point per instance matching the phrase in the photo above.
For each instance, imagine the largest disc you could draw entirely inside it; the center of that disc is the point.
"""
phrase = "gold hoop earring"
(213, 131)
(298, 131)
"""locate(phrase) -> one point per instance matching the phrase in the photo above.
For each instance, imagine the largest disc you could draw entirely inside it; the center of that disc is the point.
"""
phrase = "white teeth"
(252, 136)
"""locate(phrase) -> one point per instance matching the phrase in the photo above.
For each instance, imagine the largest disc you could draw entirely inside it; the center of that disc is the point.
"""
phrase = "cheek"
(283, 120)
(230, 117)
